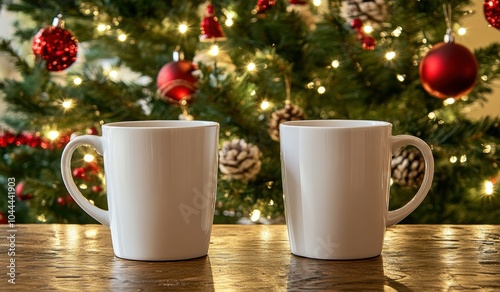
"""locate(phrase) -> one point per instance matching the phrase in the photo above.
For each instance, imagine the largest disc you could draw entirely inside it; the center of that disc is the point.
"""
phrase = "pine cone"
(289, 113)
(408, 167)
(239, 160)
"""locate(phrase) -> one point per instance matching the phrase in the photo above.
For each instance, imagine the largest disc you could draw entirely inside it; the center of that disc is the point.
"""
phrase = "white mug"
(161, 179)
(336, 178)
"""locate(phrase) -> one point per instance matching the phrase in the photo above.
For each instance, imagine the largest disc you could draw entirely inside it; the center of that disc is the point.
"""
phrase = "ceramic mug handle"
(399, 141)
(97, 213)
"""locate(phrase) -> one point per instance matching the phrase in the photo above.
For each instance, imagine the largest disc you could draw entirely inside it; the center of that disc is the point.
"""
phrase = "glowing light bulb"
(67, 104)
(449, 101)
(255, 215)
(251, 67)
(453, 159)
(462, 31)
(183, 28)
(463, 158)
(264, 105)
(214, 51)
(316, 3)
(113, 74)
(368, 28)
(77, 81)
(432, 115)
(122, 37)
(401, 77)
(52, 135)
(101, 27)
(88, 158)
(390, 55)
(229, 22)
(321, 89)
(488, 188)
(335, 64)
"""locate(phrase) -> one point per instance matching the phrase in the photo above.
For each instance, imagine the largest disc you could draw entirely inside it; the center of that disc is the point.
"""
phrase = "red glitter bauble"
(448, 70)
(57, 46)
(368, 42)
(264, 5)
(492, 12)
(175, 81)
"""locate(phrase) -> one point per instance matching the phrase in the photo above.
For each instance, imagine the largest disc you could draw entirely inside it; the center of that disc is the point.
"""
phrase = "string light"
(449, 101)
(255, 216)
(67, 104)
(368, 28)
(264, 105)
(397, 32)
(390, 55)
(183, 28)
(317, 3)
(52, 135)
(77, 81)
(453, 159)
(488, 188)
(401, 77)
(113, 74)
(321, 89)
(335, 64)
(229, 19)
(487, 149)
(463, 158)
(88, 157)
(214, 51)
(101, 27)
(462, 31)
(251, 67)
(432, 115)
(122, 37)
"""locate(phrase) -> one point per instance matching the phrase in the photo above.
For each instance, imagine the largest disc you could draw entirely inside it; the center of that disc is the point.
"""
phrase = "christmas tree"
(248, 65)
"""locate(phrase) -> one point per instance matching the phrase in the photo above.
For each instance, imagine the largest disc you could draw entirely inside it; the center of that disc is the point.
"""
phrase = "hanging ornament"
(289, 113)
(367, 41)
(57, 46)
(263, 6)
(448, 69)
(176, 82)
(492, 12)
(408, 167)
(373, 12)
(3, 218)
(239, 160)
(210, 27)
(21, 194)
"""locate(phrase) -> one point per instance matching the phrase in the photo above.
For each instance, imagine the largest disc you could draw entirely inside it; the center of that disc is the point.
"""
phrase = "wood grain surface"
(254, 257)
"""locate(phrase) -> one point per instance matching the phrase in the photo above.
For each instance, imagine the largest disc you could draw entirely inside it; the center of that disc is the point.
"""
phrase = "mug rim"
(336, 124)
(160, 124)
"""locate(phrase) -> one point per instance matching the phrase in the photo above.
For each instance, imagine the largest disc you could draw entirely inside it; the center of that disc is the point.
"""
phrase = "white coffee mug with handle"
(336, 178)
(161, 179)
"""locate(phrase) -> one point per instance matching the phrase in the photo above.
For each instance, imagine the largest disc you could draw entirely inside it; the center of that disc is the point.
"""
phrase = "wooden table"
(256, 257)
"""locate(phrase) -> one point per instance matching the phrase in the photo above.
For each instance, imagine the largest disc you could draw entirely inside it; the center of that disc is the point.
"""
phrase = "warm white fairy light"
(453, 159)
(317, 3)
(101, 27)
(463, 158)
(113, 74)
(214, 51)
(449, 101)
(335, 64)
(122, 37)
(264, 105)
(390, 55)
(488, 187)
(321, 89)
(183, 28)
(229, 22)
(253, 92)
(88, 158)
(401, 77)
(484, 77)
(67, 104)
(432, 115)
(52, 135)
(255, 216)
(462, 31)
(397, 32)
(77, 81)
(368, 28)
(487, 149)
(310, 85)
(251, 67)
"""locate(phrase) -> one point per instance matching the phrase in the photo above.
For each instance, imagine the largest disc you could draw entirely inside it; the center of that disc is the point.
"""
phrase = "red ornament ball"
(448, 70)
(492, 12)
(21, 195)
(3, 218)
(264, 5)
(175, 81)
(57, 46)
(368, 42)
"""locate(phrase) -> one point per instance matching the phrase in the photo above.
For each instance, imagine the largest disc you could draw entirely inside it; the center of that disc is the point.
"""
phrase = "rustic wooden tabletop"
(251, 257)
